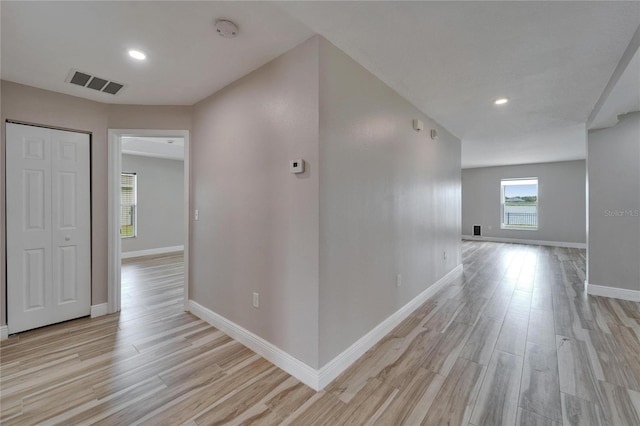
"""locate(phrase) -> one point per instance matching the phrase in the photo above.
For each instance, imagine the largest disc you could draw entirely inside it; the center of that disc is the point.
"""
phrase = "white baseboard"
(298, 369)
(613, 292)
(340, 363)
(525, 241)
(99, 310)
(96, 311)
(318, 379)
(151, 252)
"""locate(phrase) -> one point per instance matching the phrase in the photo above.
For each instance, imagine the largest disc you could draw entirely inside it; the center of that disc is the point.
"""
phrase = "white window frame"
(135, 205)
(519, 181)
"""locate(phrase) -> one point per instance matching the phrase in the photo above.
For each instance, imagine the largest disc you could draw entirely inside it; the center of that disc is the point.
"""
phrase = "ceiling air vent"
(92, 82)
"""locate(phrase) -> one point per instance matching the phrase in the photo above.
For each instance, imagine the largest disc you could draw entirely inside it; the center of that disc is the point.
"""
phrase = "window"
(128, 198)
(519, 204)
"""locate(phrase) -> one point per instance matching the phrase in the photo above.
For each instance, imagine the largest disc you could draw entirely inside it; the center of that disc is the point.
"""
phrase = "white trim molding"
(340, 363)
(151, 252)
(298, 369)
(114, 255)
(613, 292)
(114, 164)
(99, 310)
(4, 332)
(314, 378)
(526, 241)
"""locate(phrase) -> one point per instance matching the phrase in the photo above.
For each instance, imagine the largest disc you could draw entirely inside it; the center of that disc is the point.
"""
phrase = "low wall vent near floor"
(92, 82)
(477, 231)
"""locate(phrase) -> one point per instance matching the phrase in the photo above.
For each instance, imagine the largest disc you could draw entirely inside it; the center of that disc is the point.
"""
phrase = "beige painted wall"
(258, 226)
(323, 248)
(32, 105)
(389, 202)
(149, 117)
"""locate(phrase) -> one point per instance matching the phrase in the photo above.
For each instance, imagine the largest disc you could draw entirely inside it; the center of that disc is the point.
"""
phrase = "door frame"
(114, 241)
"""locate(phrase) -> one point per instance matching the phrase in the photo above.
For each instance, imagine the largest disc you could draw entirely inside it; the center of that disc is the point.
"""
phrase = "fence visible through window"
(524, 219)
(519, 203)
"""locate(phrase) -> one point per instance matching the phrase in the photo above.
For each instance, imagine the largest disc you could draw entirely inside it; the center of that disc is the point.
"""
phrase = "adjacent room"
(152, 224)
(320, 213)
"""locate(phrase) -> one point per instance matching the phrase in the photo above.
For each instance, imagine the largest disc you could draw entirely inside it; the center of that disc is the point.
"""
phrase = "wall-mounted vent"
(92, 82)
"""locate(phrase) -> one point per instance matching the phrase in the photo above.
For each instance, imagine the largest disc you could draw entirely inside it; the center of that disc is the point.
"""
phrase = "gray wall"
(258, 226)
(32, 105)
(160, 202)
(322, 248)
(389, 202)
(613, 157)
(561, 195)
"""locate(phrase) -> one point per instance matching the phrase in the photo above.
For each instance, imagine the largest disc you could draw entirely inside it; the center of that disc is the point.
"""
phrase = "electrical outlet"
(398, 280)
(444, 255)
(195, 215)
(256, 300)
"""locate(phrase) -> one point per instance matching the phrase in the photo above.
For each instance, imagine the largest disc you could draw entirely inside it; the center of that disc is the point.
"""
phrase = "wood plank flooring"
(514, 341)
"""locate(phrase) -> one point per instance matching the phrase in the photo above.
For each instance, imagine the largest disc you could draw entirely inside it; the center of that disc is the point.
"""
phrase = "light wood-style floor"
(513, 341)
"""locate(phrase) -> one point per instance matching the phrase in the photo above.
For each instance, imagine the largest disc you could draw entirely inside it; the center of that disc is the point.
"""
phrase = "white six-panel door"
(48, 226)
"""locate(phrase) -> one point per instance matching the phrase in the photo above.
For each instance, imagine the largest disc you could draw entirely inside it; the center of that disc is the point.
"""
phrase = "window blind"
(128, 205)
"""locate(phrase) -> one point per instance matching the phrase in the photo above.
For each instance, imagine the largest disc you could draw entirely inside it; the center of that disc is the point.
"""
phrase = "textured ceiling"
(450, 59)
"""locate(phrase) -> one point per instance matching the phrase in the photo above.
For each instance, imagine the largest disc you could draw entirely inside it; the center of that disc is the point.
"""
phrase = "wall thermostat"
(296, 166)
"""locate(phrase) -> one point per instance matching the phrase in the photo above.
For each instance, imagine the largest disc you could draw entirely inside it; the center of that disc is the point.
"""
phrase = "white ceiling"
(450, 59)
(186, 59)
(169, 148)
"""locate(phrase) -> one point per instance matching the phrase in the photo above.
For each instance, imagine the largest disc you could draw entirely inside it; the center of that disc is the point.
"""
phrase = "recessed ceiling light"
(136, 54)
(501, 101)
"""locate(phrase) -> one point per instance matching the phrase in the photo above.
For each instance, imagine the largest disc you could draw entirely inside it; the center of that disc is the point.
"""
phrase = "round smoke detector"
(226, 28)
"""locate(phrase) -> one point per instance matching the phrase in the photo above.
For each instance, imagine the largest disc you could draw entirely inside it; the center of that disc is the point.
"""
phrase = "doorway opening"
(148, 220)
